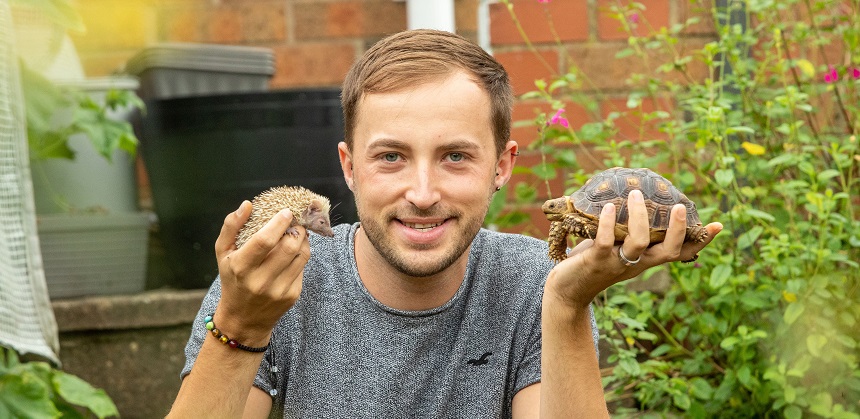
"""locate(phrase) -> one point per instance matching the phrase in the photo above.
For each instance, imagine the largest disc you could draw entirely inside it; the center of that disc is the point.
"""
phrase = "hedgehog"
(309, 209)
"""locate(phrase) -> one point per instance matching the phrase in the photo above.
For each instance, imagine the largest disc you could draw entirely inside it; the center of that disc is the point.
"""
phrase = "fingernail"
(609, 209)
(637, 195)
(286, 213)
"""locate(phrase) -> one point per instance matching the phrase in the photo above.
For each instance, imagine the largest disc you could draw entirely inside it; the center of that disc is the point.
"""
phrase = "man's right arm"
(259, 283)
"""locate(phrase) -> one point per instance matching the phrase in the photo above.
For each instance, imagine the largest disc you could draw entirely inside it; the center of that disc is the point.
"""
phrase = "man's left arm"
(570, 375)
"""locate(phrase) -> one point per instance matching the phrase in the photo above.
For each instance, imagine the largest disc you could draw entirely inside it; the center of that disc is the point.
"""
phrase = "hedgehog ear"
(315, 206)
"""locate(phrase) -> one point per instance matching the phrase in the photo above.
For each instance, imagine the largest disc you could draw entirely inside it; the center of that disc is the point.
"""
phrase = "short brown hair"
(418, 56)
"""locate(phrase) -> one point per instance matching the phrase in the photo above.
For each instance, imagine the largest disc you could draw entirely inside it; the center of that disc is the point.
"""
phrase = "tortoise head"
(554, 208)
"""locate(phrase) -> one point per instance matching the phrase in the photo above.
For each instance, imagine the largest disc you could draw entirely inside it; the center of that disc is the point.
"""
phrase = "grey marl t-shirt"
(340, 353)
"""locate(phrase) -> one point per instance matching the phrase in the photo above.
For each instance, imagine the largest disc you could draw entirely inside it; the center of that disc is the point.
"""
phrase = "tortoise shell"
(579, 213)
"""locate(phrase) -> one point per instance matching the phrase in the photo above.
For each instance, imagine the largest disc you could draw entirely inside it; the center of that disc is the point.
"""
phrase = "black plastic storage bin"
(206, 154)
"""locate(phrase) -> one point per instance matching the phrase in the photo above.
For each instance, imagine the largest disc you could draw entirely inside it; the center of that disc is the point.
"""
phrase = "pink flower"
(633, 18)
(543, 1)
(831, 76)
(558, 119)
(855, 73)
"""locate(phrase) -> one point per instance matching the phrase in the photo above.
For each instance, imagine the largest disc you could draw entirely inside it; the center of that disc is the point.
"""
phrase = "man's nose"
(423, 191)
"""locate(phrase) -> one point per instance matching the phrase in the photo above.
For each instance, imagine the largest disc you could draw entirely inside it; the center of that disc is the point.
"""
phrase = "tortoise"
(578, 214)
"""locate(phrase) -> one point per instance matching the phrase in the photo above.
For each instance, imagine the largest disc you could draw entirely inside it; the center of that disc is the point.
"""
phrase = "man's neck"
(400, 291)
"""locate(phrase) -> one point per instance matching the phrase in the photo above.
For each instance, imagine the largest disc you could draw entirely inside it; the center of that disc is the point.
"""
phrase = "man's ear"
(505, 165)
(346, 163)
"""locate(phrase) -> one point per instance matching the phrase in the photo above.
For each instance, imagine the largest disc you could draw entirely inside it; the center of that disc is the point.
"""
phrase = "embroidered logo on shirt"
(480, 361)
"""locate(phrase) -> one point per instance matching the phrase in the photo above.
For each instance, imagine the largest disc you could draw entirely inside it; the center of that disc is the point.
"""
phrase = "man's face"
(423, 169)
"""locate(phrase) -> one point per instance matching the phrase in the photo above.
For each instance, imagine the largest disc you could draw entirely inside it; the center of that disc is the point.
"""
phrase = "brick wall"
(315, 42)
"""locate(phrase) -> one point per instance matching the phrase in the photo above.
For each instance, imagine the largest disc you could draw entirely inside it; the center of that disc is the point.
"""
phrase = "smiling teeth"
(422, 226)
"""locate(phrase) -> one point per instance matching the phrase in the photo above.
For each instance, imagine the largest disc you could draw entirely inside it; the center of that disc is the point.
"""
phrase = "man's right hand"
(263, 279)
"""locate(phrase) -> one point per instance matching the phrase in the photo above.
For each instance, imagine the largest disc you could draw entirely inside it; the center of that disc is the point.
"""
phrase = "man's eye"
(391, 157)
(456, 157)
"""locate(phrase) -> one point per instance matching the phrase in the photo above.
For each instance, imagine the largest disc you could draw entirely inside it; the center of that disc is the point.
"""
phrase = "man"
(415, 311)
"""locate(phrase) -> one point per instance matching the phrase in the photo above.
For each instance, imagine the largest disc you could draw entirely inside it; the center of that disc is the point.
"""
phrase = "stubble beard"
(375, 230)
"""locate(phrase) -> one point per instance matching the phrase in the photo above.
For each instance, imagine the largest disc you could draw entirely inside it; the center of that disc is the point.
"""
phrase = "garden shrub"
(759, 125)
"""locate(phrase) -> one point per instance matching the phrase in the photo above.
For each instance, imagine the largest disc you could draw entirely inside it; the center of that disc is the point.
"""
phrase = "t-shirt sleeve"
(528, 371)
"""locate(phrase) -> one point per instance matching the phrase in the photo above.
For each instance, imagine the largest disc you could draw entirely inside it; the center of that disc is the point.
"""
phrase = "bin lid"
(205, 57)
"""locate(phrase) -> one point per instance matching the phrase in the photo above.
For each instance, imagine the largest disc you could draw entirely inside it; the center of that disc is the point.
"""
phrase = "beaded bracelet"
(210, 326)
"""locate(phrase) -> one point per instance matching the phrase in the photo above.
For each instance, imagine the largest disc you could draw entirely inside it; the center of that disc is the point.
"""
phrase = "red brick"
(312, 64)
(524, 68)
(569, 18)
(604, 71)
(263, 22)
(182, 25)
(655, 16)
(224, 26)
(348, 19)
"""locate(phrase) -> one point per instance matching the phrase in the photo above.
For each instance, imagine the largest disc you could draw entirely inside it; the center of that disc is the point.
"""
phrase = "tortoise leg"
(696, 234)
(557, 241)
(582, 228)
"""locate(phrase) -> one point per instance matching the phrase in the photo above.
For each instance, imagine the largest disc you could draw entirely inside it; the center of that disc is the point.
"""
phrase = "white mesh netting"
(26, 319)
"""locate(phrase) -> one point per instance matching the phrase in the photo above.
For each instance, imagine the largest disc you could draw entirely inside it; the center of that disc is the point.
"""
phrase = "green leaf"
(827, 174)
(792, 412)
(814, 343)
(761, 215)
(42, 99)
(24, 395)
(793, 312)
(626, 52)
(821, 404)
(720, 275)
(744, 375)
(544, 171)
(701, 388)
(790, 394)
(681, 400)
(724, 177)
(79, 392)
(733, 130)
(729, 342)
(748, 238)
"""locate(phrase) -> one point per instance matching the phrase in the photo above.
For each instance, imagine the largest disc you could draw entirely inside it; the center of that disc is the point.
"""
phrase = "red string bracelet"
(210, 326)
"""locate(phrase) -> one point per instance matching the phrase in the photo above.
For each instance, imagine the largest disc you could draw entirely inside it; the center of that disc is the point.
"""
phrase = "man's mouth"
(422, 226)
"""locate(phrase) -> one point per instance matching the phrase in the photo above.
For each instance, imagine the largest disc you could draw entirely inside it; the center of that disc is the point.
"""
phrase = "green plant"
(765, 141)
(56, 113)
(36, 390)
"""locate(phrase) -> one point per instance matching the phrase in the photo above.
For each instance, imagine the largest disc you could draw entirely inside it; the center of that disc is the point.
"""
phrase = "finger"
(232, 224)
(261, 243)
(291, 256)
(671, 246)
(605, 237)
(691, 249)
(580, 247)
(638, 225)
